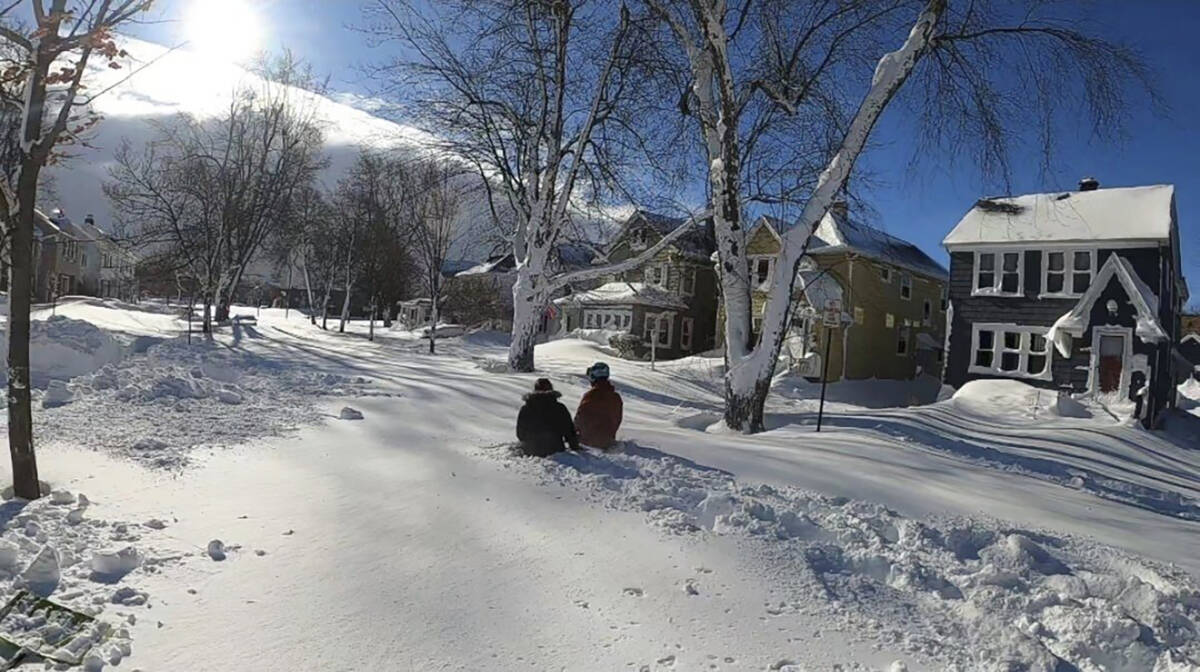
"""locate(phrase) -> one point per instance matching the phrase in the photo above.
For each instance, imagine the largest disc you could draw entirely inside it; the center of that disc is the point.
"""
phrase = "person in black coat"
(544, 425)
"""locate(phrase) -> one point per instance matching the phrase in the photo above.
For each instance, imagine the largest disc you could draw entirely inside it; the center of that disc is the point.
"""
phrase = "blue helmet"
(597, 371)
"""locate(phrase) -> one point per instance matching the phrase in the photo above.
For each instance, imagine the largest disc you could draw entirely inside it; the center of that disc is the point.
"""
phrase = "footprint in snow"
(634, 592)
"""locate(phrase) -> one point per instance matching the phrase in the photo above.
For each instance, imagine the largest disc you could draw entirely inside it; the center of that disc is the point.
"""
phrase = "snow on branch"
(629, 264)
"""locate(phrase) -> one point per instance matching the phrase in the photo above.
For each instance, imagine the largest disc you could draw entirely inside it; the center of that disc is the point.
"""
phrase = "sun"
(228, 30)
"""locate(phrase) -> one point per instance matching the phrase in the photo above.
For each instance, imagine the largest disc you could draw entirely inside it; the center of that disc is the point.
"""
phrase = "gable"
(1141, 297)
(763, 240)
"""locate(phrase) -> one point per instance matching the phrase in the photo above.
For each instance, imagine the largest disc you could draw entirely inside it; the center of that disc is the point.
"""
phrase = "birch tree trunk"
(748, 374)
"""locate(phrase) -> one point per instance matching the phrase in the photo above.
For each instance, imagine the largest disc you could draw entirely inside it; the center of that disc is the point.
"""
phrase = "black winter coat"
(544, 425)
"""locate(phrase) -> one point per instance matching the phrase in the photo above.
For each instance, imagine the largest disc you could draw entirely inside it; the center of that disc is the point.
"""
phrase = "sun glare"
(224, 29)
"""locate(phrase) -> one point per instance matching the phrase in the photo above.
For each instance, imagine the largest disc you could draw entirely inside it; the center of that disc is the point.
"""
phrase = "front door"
(1112, 362)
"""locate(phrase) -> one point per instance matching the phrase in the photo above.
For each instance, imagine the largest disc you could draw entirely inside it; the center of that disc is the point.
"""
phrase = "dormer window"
(999, 273)
(760, 272)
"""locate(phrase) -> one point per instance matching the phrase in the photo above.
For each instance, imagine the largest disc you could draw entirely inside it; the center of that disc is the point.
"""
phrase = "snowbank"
(62, 348)
(175, 397)
(1015, 401)
(976, 594)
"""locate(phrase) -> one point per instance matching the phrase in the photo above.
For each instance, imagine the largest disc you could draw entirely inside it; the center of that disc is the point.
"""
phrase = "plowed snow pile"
(61, 348)
(175, 397)
(978, 595)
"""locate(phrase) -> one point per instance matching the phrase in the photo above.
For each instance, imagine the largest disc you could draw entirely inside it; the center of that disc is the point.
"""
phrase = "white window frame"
(927, 312)
(998, 273)
(885, 274)
(755, 260)
(1068, 271)
(662, 270)
(687, 327)
(945, 298)
(648, 333)
(904, 335)
(687, 280)
(613, 319)
(1023, 350)
(906, 282)
(1126, 334)
(889, 321)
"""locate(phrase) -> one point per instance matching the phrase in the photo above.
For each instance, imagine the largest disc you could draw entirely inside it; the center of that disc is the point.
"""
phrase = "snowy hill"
(183, 81)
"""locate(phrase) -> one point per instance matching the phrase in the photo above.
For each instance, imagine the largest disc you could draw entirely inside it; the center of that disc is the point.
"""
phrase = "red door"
(1112, 360)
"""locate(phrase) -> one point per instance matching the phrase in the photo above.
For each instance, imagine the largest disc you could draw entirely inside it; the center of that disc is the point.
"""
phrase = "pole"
(654, 343)
(824, 376)
(287, 296)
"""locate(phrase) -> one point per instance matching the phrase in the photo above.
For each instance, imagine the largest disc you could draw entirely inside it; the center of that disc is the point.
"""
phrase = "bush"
(628, 346)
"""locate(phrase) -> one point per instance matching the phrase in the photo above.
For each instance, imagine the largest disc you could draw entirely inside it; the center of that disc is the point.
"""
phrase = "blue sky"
(918, 204)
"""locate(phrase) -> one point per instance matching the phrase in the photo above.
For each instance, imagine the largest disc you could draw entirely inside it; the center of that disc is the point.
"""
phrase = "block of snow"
(350, 414)
(10, 555)
(115, 564)
(62, 497)
(216, 550)
(42, 574)
(229, 397)
(57, 394)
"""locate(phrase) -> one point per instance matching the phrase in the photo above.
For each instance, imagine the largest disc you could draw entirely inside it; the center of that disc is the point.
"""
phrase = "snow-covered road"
(407, 540)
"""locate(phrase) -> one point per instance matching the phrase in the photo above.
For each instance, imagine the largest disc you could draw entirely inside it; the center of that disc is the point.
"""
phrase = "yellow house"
(892, 297)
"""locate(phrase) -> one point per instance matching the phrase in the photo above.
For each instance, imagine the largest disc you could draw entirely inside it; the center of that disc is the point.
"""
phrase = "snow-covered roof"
(837, 235)
(568, 256)
(1144, 300)
(624, 293)
(1124, 213)
(698, 242)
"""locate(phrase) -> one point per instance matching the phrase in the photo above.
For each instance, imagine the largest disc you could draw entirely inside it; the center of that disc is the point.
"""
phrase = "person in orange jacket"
(600, 410)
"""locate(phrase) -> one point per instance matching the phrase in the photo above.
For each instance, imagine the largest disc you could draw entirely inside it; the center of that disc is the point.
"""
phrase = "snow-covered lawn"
(984, 532)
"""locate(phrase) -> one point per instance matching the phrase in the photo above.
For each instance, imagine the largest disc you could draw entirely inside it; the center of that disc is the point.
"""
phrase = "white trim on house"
(1000, 347)
(885, 274)
(607, 318)
(1191, 336)
(904, 337)
(663, 272)
(906, 282)
(686, 274)
(1068, 271)
(1082, 243)
(755, 262)
(687, 328)
(648, 332)
(995, 288)
(1126, 335)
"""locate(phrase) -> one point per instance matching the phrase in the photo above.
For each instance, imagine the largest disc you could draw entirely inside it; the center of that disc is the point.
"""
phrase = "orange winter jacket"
(599, 416)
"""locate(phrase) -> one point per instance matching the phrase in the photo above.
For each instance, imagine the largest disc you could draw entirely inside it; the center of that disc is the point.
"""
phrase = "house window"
(688, 281)
(927, 312)
(685, 333)
(902, 342)
(1067, 272)
(999, 273)
(662, 322)
(760, 271)
(657, 275)
(859, 315)
(945, 297)
(607, 319)
(890, 321)
(885, 274)
(1009, 350)
(905, 286)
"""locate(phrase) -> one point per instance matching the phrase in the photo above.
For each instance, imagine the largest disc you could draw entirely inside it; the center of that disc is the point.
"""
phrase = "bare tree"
(57, 49)
(215, 190)
(438, 227)
(543, 98)
(801, 55)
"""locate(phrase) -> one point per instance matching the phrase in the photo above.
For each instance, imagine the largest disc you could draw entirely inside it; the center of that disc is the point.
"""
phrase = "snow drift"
(61, 348)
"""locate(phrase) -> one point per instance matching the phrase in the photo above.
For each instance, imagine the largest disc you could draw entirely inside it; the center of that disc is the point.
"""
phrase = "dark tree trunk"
(20, 406)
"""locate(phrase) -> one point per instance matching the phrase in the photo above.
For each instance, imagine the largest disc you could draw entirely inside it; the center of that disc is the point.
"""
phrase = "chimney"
(839, 209)
(1089, 184)
(89, 220)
